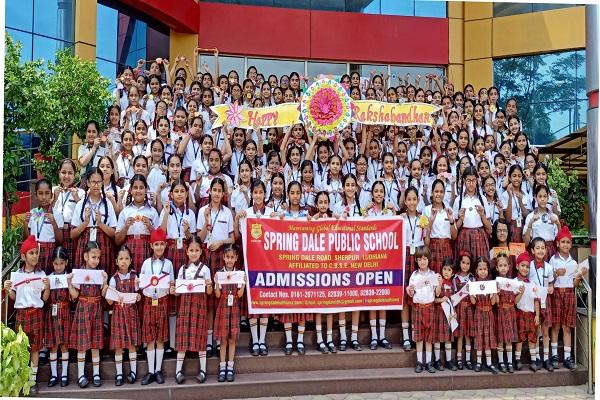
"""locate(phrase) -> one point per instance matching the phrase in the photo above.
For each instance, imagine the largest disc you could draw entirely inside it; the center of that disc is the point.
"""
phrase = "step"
(320, 382)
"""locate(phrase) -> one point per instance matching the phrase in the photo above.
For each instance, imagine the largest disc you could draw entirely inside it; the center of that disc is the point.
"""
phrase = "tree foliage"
(570, 193)
(15, 372)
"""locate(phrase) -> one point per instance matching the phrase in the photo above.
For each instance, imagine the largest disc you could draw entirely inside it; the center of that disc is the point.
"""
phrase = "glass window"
(277, 67)
(398, 72)
(325, 68)
(26, 40)
(550, 92)
(46, 48)
(108, 70)
(368, 70)
(54, 18)
(328, 5)
(19, 14)
(365, 6)
(427, 8)
(226, 64)
(504, 9)
(395, 7)
(106, 32)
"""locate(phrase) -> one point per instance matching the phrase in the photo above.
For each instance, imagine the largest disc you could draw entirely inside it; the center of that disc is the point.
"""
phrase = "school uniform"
(176, 242)
(423, 315)
(472, 236)
(374, 169)
(237, 156)
(155, 309)
(542, 274)
(492, 212)
(199, 166)
(464, 309)
(320, 173)
(414, 150)
(41, 227)
(65, 206)
(291, 174)
(415, 236)
(193, 152)
(442, 332)
(100, 152)
(506, 317)
(134, 118)
(392, 192)
(57, 324)
(351, 210)
(30, 310)
(240, 200)
(125, 324)
(138, 236)
(528, 330)
(205, 186)
(546, 229)
(349, 167)
(483, 328)
(334, 188)
(447, 200)
(124, 165)
(439, 238)
(221, 226)
(227, 315)
(155, 178)
(563, 299)
(87, 330)
(192, 321)
(142, 148)
(517, 221)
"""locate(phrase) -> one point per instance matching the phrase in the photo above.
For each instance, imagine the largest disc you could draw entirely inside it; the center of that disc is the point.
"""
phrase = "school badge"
(256, 231)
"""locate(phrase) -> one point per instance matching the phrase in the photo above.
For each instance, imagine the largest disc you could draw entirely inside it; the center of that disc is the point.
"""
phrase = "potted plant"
(15, 372)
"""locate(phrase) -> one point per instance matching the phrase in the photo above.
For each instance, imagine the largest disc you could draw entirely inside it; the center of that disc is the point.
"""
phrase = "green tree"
(571, 193)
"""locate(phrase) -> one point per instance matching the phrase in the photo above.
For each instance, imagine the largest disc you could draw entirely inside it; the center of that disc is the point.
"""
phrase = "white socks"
(288, 332)
(264, 322)
(373, 323)
(65, 364)
(34, 370)
(133, 361)
(488, 357)
(180, 358)
(159, 359)
(382, 328)
(119, 364)
(436, 351)
(405, 335)
(151, 356)
(329, 336)
(96, 365)
(254, 329)
(301, 329)
(230, 365)
(80, 364)
(53, 364)
(342, 323)
(420, 356)
(500, 354)
(518, 355)
(478, 356)
(567, 352)
(319, 332)
(223, 365)
(209, 340)
(427, 357)
(354, 333)
(509, 353)
(468, 350)
(172, 330)
(554, 347)
(533, 352)
(448, 347)
(202, 358)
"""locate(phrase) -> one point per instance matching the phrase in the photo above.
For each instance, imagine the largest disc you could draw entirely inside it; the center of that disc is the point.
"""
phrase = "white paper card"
(120, 297)
(87, 277)
(540, 292)
(154, 281)
(450, 313)
(58, 281)
(230, 277)
(510, 285)
(482, 287)
(29, 280)
(458, 296)
(190, 286)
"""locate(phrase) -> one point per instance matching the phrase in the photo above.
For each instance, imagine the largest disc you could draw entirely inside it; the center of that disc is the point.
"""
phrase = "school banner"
(246, 117)
(371, 112)
(325, 266)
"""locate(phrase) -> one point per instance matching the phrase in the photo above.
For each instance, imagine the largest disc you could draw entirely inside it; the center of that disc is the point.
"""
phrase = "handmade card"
(58, 281)
(120, 297)
(155, 281)
(230, 277)
(458, 296)
(482, 287)
(510, 285)
(450, 313)
(87, 277)
(30, 280)
(190, 286)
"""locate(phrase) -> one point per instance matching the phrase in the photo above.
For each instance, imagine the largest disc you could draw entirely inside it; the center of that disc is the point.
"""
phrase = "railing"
(584, 296)
(5, 273)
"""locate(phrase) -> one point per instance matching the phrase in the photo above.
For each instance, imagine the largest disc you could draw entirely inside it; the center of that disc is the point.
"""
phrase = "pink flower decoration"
(234, 114)
(325, 106)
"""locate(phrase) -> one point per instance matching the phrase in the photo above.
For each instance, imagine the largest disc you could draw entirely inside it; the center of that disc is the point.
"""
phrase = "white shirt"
(426, 294)
(251, 214)
(84, 149)
(334, 188)
(199, 167)
(155, 178)
(65, 204)
(27, 295)
(472, 218)
(527, 301)
(108, 211)
(542, 276)
(374, 169)
(157, 267)
(441, 224)
(517, 213)
(234, 163)
(125, 167)
(221, 222)
(491, 211)
(175, 220)
(340, 208)
(134, 118)
(566, 280)
(113, 282)
(412, 231)
(41, 227)
(543, 227)
(238, 199)
(193, 271)
(193, 151)
(291, 175)
(138, 227)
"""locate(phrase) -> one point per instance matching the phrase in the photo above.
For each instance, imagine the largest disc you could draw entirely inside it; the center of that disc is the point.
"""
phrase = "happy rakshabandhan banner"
(325, 266)
(247, 117)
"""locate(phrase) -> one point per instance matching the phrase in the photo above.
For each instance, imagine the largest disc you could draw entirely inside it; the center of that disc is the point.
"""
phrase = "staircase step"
(320, 382)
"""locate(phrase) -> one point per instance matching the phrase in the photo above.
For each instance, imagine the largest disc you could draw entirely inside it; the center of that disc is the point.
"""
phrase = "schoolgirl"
(125, 323)
(136, 221)
(473, 226)
(416, 180)
(45, 224)
(349, 166)
(441, 227)
(320, 165)
(57, 324)
(506, 316)
(442, 332)
(240, 197)
(349, 204)
(333, 183)
(140, 147)
(161, 111)
(479, 127)
(87, 327)
(541, 222)
(64, 199)
(237, 150)
(464, 312)
(227, 329)
(199, 165)
(133, 112)
(499, 173)
(125, 158)
(414, 144)
(491, 201)
(307, 200)
(173, 173)
(180, 127)
(192, 321)
(94, 220)
(423, 311)
(277, 198)
(440, 171)
(29, 302)
(515, 202)
(528, 315)
(113, 128)
(391, 183)
(520, 148)
(163, 134)
(452, 154)
(89, 154)
(157, 165)
(124, 82)
(292, 159)
(490, 147)
(464, 146)
(155, 310)
(364, 182)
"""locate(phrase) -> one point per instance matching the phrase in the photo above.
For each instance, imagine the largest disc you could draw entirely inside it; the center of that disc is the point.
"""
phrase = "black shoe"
(34, 389)
(438, 365)
(419, 368)
(519, 365)
(374, 344)
(300, 348)
(222, 374)
(289, 347)
(148, 379)
(179, 377)
(119, 381)
(477, 367)
(83, 382)
(429, 368)
(502, 367)
(53, 381)
(356, 345)
(460, 365)
(131, 377)
(554, 360)
(217, 350)
(450, 365)
(469, 365)
(170, 352)
(406, 345)
(511, 369)
(343, 345)
(263, 350)
(322, 348)
(160, 379)
(230, 375)
(209, 351)
(385, 344)
(254, 350)
(244, 326)
(570, 364)
(201, 377)
(64, 381)
(548, 366)
(534, 366)
(96, 381)
(492, 368)
(43, 359)
(331, 347)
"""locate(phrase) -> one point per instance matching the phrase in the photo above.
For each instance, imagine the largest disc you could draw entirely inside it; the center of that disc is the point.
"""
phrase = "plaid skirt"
(227, 318)
(186, 174)
(295, 318)
(423, 318)
(124, 326)
(32, 320)
(155, 321)
(179, 258)
(440, 249)
(528, 331)
(45, 257)
(57, 328)
(464, 317)
(140, 250)
(516, 234)
(69, 244)
(410, 265)
(202, 202)
(506, 323)
(484, 329)
(441, 328)
(192, 323)
(473, 240)
(546, 314)
(550, 250)
(564, 307)
(87, 331)
(107, 256)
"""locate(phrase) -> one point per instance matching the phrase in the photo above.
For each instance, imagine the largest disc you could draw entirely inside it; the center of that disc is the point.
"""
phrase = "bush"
(571, 194)
(15, 372)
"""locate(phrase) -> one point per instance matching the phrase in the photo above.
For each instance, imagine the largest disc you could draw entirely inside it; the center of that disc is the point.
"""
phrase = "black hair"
(256, 183)
(92, 246)
(136, 178)
(60, 253)
(494, 241)
(41, 182)
(283, 196)
(92, 171)
(128, 250)
(469, 171)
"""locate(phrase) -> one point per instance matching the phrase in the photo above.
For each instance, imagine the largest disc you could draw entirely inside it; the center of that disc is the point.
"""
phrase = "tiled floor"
(547, 393)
